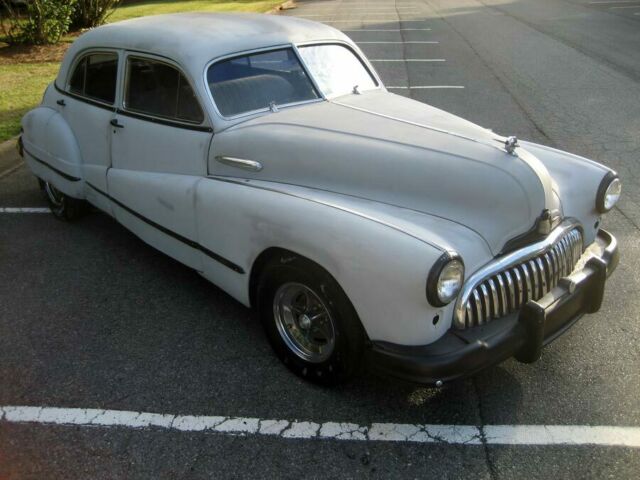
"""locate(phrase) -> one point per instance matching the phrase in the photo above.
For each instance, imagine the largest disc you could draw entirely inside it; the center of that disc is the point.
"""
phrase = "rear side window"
(158, 89)
(254, 82)
(95, 77)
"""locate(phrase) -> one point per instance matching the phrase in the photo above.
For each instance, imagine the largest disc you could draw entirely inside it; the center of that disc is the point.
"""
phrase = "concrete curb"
(288, 5)
(9, 158)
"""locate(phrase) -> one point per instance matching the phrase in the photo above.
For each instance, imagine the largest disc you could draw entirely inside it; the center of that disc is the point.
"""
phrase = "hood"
(391, 149)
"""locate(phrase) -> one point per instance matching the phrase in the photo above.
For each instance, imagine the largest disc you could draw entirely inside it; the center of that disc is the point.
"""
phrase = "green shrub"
(39, 22)
(93, 13)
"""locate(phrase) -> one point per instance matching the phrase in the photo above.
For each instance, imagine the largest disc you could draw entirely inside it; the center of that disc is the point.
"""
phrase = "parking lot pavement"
(92, 318)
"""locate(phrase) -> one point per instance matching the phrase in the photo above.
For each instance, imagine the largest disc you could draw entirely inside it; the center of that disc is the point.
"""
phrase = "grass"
(156, 7)
(22, 88)
(24, 75)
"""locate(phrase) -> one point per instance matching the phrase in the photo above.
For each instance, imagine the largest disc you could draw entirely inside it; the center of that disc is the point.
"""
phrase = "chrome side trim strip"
(240, 163)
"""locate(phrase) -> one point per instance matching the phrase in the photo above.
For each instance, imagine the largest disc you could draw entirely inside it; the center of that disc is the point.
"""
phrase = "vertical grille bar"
(519, 287)
(478, 307)
(495, 303)
(485, 302)
(511, 292)
(502, 291)
(563, 259)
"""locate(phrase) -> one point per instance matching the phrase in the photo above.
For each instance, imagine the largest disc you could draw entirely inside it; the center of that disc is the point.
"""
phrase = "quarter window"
(95, 77)
(158, 89)
(254, 82)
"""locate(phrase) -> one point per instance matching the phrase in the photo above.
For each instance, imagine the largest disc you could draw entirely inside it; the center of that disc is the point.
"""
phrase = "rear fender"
(51, 150)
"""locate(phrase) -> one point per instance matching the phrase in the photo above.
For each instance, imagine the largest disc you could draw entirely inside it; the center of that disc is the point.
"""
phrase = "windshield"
(336, 69)
(258, 81)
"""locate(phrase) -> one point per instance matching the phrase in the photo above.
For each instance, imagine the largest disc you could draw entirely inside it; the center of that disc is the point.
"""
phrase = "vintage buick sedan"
(365, 228)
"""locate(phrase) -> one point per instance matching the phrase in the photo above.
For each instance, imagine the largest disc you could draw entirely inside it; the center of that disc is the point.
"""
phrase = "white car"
(366, 228)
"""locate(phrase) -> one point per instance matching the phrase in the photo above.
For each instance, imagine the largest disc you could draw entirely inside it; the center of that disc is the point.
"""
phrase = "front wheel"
(310, 322)
(61, 205)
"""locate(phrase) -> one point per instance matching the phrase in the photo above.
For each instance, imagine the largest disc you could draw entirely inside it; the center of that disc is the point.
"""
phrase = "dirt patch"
(34, 53)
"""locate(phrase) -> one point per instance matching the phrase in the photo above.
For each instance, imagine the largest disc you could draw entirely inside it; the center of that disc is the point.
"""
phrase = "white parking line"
(382, 432)
(407, 60)
(395, 16)
(388, 30)
(24, 210)
(362, 20)
(628, 6)
(424, 87)
(431, 42)
(609, 2)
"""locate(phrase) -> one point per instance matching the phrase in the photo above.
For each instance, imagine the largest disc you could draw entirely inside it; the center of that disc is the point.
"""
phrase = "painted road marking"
(612, 2)
(359, 20)
(431, 42)
(628, 6)
(388, 30)
(424, 87)
(363, 15)
(407, 60)
(383, 432)
(24, 210)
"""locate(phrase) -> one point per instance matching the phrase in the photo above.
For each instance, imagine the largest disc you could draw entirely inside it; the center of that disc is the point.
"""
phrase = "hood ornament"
(510, 144)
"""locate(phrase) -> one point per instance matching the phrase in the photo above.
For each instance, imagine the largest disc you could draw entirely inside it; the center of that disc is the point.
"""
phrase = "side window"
(95, 77)
(159, 89)
(253, 82)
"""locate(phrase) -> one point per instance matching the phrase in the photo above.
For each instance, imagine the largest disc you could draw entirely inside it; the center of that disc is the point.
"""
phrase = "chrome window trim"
(518, 257)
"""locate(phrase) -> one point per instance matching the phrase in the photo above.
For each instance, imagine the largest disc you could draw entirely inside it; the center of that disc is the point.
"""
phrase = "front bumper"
(522, 335)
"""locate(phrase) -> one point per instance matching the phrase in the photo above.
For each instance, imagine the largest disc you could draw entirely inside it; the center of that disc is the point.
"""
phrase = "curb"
(288, 5)
(9, 158)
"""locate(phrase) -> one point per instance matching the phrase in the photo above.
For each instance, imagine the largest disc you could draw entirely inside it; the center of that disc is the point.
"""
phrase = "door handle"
(115, 123)
(61, 102)
(240, 163)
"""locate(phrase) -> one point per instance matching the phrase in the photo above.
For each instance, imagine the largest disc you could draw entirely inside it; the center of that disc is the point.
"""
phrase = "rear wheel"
(309, 321)
(61, 205)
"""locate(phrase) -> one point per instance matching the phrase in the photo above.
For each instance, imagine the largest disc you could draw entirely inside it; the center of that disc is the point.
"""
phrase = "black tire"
(346, 356)
(61, 205)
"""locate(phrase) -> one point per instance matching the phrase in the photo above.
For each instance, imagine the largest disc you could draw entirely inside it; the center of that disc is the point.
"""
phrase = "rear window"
(256, 81)
(95, 77)
(159, 89)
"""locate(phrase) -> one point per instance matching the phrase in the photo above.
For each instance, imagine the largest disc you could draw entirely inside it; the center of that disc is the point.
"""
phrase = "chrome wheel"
(56, 197)
(304, 322)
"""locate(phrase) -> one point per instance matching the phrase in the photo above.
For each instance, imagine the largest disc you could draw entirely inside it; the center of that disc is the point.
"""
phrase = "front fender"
(51, 150)
(381, 266)
(576, 180)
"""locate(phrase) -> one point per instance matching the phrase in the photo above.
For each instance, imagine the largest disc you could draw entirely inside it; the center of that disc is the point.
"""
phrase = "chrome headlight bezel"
(609, 192)
(449, 263)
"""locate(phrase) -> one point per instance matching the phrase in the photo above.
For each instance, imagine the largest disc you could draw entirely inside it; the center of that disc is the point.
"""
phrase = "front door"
(159, 146)
(88, 105)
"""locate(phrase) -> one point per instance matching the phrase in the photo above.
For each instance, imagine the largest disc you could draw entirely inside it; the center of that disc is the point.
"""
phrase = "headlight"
(445, 279)
(608, 192)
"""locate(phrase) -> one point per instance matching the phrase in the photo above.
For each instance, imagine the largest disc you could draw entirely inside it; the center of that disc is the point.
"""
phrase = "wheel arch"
(270, 255)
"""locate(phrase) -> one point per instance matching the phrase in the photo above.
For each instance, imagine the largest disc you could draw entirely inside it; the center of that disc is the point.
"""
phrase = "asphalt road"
(91, 317)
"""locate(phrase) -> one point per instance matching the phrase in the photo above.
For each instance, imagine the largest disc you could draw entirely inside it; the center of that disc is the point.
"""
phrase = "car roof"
(193, 39)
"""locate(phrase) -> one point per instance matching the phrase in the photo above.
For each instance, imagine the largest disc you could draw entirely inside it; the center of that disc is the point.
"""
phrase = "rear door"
(88, 105)
(159, 145)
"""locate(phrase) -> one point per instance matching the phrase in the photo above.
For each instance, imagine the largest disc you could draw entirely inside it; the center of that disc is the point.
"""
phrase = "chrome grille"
(506, 291)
